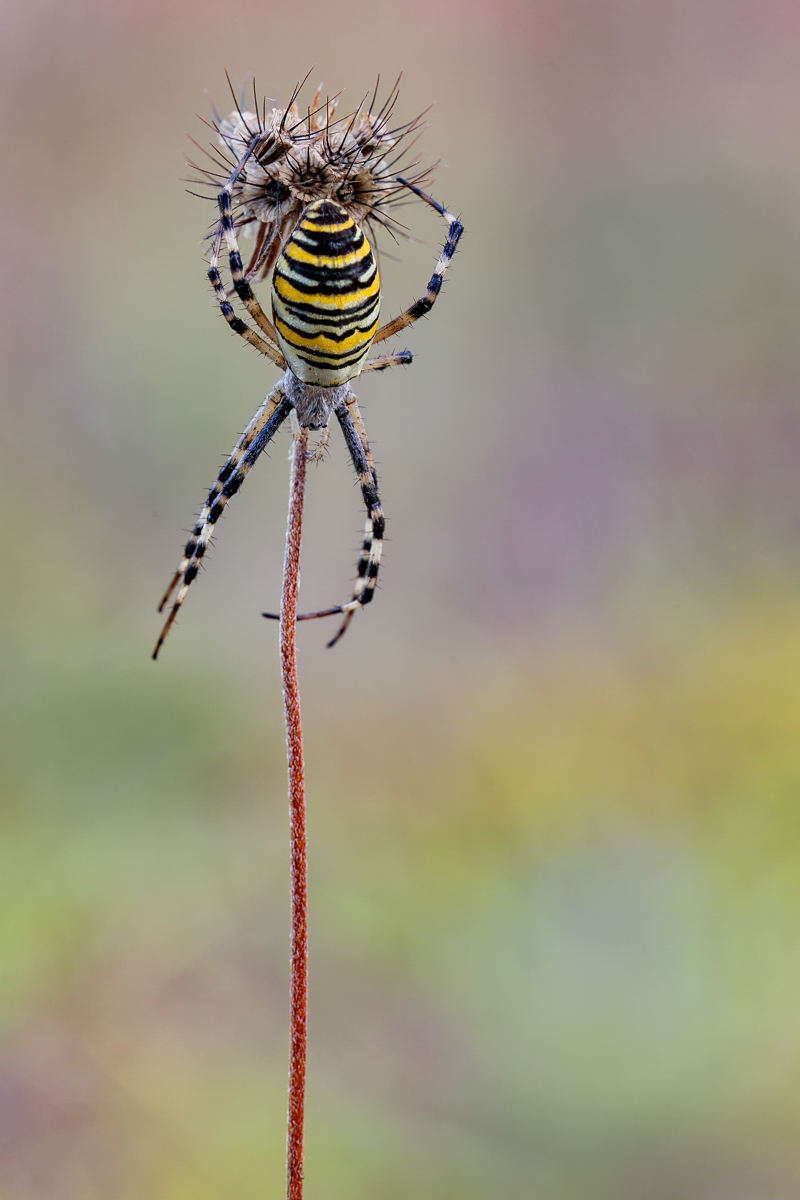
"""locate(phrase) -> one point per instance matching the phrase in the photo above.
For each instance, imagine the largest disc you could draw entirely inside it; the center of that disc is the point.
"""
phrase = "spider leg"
(355, 437)
(399, 358)
(355, 415)
(262, 428)
(226, 308)
(319, 453)
(242, 287)
(420, 307)
(240, 281)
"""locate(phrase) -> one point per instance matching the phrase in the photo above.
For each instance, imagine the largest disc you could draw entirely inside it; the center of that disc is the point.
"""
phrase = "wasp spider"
(307, 187)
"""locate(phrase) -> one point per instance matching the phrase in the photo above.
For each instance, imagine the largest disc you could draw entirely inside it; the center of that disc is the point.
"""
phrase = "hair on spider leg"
(322, 449)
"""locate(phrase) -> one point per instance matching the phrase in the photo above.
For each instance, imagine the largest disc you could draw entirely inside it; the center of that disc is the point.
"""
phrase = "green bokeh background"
(553, 772)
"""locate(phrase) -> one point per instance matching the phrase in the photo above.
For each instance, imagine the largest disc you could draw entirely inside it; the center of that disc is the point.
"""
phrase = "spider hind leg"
(259, 432)
(355, 437)
(369, 563)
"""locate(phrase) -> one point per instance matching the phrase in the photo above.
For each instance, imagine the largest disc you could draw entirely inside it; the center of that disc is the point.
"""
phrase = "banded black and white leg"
(420, 307)
(352, 426)
(355, 436)
(267, 345)
(263, 427)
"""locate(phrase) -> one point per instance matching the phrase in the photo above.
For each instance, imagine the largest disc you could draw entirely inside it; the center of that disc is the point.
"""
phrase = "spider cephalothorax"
(308, 185)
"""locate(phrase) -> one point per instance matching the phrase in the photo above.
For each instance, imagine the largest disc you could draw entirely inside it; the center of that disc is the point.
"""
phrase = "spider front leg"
(241, 285)
(270, 416)
(420, 307)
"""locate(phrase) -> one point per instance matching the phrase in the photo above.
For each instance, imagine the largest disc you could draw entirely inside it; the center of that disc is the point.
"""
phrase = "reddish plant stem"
(297, 823)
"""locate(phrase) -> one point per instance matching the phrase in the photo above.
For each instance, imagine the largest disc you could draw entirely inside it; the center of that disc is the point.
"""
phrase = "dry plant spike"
(297, 822)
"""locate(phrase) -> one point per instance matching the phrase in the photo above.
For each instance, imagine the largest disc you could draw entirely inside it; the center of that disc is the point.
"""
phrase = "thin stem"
(297, 822)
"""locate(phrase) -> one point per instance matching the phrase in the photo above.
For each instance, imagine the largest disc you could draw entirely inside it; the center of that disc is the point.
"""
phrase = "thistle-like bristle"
(300, 157)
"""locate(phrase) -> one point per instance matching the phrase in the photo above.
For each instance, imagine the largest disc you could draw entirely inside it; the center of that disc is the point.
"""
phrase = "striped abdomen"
(326, 296)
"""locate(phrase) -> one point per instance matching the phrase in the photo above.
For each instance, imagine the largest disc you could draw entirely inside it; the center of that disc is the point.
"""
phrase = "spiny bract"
(296, 159)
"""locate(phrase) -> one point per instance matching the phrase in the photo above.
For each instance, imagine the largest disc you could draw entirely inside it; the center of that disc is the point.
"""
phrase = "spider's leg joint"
(456, 230)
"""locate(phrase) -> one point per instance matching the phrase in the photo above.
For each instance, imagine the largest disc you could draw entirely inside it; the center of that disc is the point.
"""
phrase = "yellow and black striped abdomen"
(326, 296)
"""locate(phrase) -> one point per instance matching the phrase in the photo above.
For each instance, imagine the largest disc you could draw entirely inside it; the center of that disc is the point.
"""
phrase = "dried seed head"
(296, 159)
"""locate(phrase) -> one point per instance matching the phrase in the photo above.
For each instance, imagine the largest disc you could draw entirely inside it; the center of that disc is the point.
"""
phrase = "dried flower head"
(295, 159)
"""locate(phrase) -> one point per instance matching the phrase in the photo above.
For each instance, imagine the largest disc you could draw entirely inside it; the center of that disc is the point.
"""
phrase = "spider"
(325, 294)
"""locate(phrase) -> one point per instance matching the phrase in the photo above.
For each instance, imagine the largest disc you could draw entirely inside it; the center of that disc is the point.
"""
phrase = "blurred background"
(553, 771)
